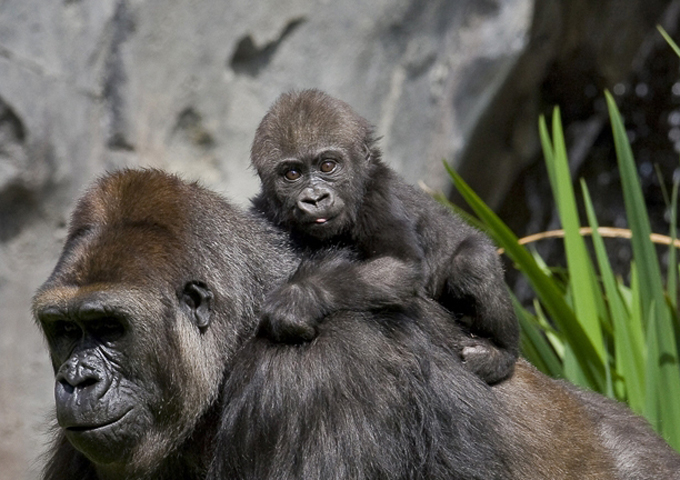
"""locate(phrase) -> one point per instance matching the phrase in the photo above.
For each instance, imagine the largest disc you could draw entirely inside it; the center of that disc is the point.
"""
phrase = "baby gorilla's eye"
(292, 174)
(327, 166)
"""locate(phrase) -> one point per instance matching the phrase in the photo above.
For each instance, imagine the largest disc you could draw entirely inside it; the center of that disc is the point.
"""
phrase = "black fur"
(371, 397)
(405, 243)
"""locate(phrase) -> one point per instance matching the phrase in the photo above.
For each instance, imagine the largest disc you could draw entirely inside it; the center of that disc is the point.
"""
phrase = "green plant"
(589, 326)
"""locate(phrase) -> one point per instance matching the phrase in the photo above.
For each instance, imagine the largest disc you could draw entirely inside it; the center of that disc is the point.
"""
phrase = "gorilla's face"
(312, 154)
(113, 350)
(136, 357)
(102, 403)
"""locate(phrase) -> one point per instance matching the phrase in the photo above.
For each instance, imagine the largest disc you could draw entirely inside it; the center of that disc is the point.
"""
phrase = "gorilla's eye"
(108, 329)
(327, 166)
(66, 329)
(292, 174)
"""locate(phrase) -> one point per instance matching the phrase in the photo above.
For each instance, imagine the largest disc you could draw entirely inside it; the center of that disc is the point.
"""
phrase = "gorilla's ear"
(198, 298)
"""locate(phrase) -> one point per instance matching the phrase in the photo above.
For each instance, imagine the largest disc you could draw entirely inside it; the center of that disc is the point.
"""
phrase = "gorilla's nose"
(313, 202)
(77, 373)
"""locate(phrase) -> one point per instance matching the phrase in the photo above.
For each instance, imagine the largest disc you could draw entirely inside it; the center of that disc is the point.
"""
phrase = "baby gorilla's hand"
(291, 314)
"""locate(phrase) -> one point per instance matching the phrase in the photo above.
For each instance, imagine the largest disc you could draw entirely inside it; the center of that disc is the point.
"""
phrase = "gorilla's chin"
(110, 441)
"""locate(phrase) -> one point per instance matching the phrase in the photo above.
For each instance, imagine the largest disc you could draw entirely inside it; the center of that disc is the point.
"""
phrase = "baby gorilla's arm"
(336, 282)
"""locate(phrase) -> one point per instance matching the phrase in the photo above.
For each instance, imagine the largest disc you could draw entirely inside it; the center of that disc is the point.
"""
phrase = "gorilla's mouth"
(90, 428)
(322, 221)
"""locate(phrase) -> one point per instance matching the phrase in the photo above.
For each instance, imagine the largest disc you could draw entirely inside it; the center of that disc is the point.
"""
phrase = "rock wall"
(88, 86)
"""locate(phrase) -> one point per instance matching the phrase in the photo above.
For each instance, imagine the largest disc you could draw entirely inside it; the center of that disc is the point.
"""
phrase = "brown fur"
(561, 431)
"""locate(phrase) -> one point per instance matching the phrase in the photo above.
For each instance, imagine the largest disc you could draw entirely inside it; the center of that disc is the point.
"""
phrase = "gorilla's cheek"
(105, 429)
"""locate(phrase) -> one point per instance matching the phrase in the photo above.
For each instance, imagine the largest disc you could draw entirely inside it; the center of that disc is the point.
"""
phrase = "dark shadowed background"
(92, 85)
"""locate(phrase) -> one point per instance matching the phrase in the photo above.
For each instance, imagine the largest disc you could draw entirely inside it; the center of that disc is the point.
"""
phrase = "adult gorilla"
(149, 317)
(152, 296)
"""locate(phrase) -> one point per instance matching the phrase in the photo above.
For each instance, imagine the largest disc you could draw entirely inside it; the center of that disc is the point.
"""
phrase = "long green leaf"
(582, 279)
(535, 346)
(548, 152)
(651, 291)
(672, 281)
(670, 41)
(555, 338)
(643, 249)
(653, 407)
(629, 355)
(637, 323)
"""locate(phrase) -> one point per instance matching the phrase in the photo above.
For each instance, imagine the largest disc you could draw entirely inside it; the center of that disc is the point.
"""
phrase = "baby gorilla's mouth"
(318, 221)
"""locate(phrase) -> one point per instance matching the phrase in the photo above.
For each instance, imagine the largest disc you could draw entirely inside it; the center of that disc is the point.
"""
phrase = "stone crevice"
(249, 59)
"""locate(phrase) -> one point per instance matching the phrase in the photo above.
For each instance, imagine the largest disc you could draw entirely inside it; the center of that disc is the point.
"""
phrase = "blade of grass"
(535, 347)
(668, 39)
(664, 379)
(653, 374)
(582, 278)
(629, 355)
(672, 279)
(637, 323)
(555, 339)
(643, 248)
(573, 370)
(548, 152)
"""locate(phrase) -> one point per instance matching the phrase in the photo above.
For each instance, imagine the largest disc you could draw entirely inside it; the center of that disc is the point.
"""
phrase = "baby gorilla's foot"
(486, 360)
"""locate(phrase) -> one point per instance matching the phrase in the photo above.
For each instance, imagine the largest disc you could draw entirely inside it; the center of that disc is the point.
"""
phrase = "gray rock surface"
(87, 86)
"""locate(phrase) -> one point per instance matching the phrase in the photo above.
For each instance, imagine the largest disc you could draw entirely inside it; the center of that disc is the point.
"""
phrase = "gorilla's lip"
(89, 427)
(321, 221)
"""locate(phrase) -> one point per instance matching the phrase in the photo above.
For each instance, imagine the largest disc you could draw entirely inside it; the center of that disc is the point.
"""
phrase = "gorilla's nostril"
(87, 382)
(66, 386)
(71, 384)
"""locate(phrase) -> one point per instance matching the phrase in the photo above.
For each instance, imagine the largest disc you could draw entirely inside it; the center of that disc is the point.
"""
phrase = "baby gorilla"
(369, 240)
